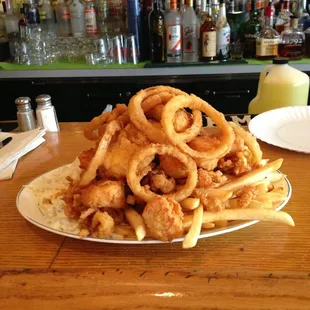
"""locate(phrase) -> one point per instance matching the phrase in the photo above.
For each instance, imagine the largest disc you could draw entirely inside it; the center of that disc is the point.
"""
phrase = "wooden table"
(265, 266)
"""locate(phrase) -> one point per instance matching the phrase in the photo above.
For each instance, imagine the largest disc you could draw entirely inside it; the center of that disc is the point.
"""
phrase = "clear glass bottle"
(251, 32)
(198, 7)
(90, 17)
(222, 33)
(215, 9)
(190, 33)
(182, 6)
(283, 20)
(63, 19)
(208, 37)
(292, 43)
(77, 18)
(47, 17)
(22, 25)
(11, 24)
(268, 39)
(32, 14)
(173, 27)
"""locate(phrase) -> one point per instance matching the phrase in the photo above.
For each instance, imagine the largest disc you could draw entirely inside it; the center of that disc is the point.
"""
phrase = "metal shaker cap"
(44, 100)
(23, 103)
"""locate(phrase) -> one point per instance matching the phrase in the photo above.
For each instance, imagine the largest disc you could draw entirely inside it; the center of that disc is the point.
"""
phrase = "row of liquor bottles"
(75, 18)
(181, 35)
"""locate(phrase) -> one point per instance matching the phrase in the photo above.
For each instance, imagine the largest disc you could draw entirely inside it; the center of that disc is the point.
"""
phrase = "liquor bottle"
(307, 42)
(292, 43)
(208, 37)
(77, 19)
(134, 21)
(268, 38)
(198, 7)
(145, 15)
(173, 29)
(4, 43)
(157, 33)
(32, 14)
(182, 7)
(215, 9)
(22, 25)
(63, 19)
(283, 21)
(222, 33)
(190, 36)
(90, 17)
(47, 19)
(251, 32)
(11, 24)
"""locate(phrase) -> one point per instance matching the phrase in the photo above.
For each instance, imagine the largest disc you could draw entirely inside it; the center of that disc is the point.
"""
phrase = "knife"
(5, 142)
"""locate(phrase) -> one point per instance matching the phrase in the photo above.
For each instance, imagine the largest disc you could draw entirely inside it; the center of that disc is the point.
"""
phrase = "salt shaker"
(25, 115)
(46, 114)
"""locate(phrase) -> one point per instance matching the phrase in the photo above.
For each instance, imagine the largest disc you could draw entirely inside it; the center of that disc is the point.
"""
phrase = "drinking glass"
(130, 50)
(236, 50)
(117, 50)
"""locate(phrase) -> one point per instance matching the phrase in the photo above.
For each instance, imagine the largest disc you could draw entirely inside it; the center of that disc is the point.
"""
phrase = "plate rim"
(258, 118)
(241, 224)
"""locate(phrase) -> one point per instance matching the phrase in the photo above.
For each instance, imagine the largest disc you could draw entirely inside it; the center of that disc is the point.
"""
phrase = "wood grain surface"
(265, 266)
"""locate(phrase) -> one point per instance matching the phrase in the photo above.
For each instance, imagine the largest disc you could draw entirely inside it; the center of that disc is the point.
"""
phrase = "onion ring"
(196, 103)
(96, 161)
(147, 99)
(90, 132)
(147, 195)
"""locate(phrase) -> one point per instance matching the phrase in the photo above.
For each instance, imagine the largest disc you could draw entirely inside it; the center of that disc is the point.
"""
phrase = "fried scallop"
(164, 218)
(100, 194)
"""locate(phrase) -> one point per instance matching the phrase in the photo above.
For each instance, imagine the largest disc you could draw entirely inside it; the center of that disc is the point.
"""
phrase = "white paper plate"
(287, 128)
(27, 205)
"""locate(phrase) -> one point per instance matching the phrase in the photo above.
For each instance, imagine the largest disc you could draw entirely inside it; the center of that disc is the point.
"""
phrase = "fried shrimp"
(102, 194)
(164, 218)
(102, 224)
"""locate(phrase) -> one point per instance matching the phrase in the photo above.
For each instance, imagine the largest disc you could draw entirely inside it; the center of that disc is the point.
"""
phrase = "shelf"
(82, 70)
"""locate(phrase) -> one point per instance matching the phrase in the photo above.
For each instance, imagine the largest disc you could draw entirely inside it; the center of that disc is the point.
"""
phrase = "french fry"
(137, 222)
(191, 237)
(190, 203)
(245, 214)
(253, 176)
(125, 230)
(275, 177)
(207, 225)
(222, 195)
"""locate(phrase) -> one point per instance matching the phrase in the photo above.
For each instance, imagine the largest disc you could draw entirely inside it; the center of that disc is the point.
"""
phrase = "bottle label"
(222, 41)
(267, 47)
(189, 39)
(174, 38)
(158, 27)
(42, 14)
(208, 44)
(90, 21)
(65, 14)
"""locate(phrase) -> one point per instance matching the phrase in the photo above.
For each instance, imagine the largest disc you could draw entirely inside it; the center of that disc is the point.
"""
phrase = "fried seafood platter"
(155, 172)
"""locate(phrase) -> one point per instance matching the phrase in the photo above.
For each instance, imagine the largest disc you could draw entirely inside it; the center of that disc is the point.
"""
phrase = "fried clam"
(163, 218)
(146, 155)
(147, 99)
(178, 102)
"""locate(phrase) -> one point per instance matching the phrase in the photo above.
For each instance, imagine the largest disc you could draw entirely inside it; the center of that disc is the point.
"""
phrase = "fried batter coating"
(102, 194)
(164, 218)
(102, 225)
(85, 158)
(172, 167)
(207, 179)
(160, 182)
(246, 195)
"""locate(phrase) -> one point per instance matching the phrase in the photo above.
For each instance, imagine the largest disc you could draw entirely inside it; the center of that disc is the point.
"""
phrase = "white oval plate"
(287, 128)
(27, 205)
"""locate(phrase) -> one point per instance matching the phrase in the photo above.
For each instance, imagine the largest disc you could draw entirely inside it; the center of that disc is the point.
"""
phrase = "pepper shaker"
(25, 114)
(46, 113)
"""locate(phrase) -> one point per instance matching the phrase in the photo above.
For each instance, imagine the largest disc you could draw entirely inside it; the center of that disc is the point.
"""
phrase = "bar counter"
(265, 266)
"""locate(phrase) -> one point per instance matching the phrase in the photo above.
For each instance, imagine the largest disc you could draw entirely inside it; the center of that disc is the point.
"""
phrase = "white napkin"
(21, 144)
